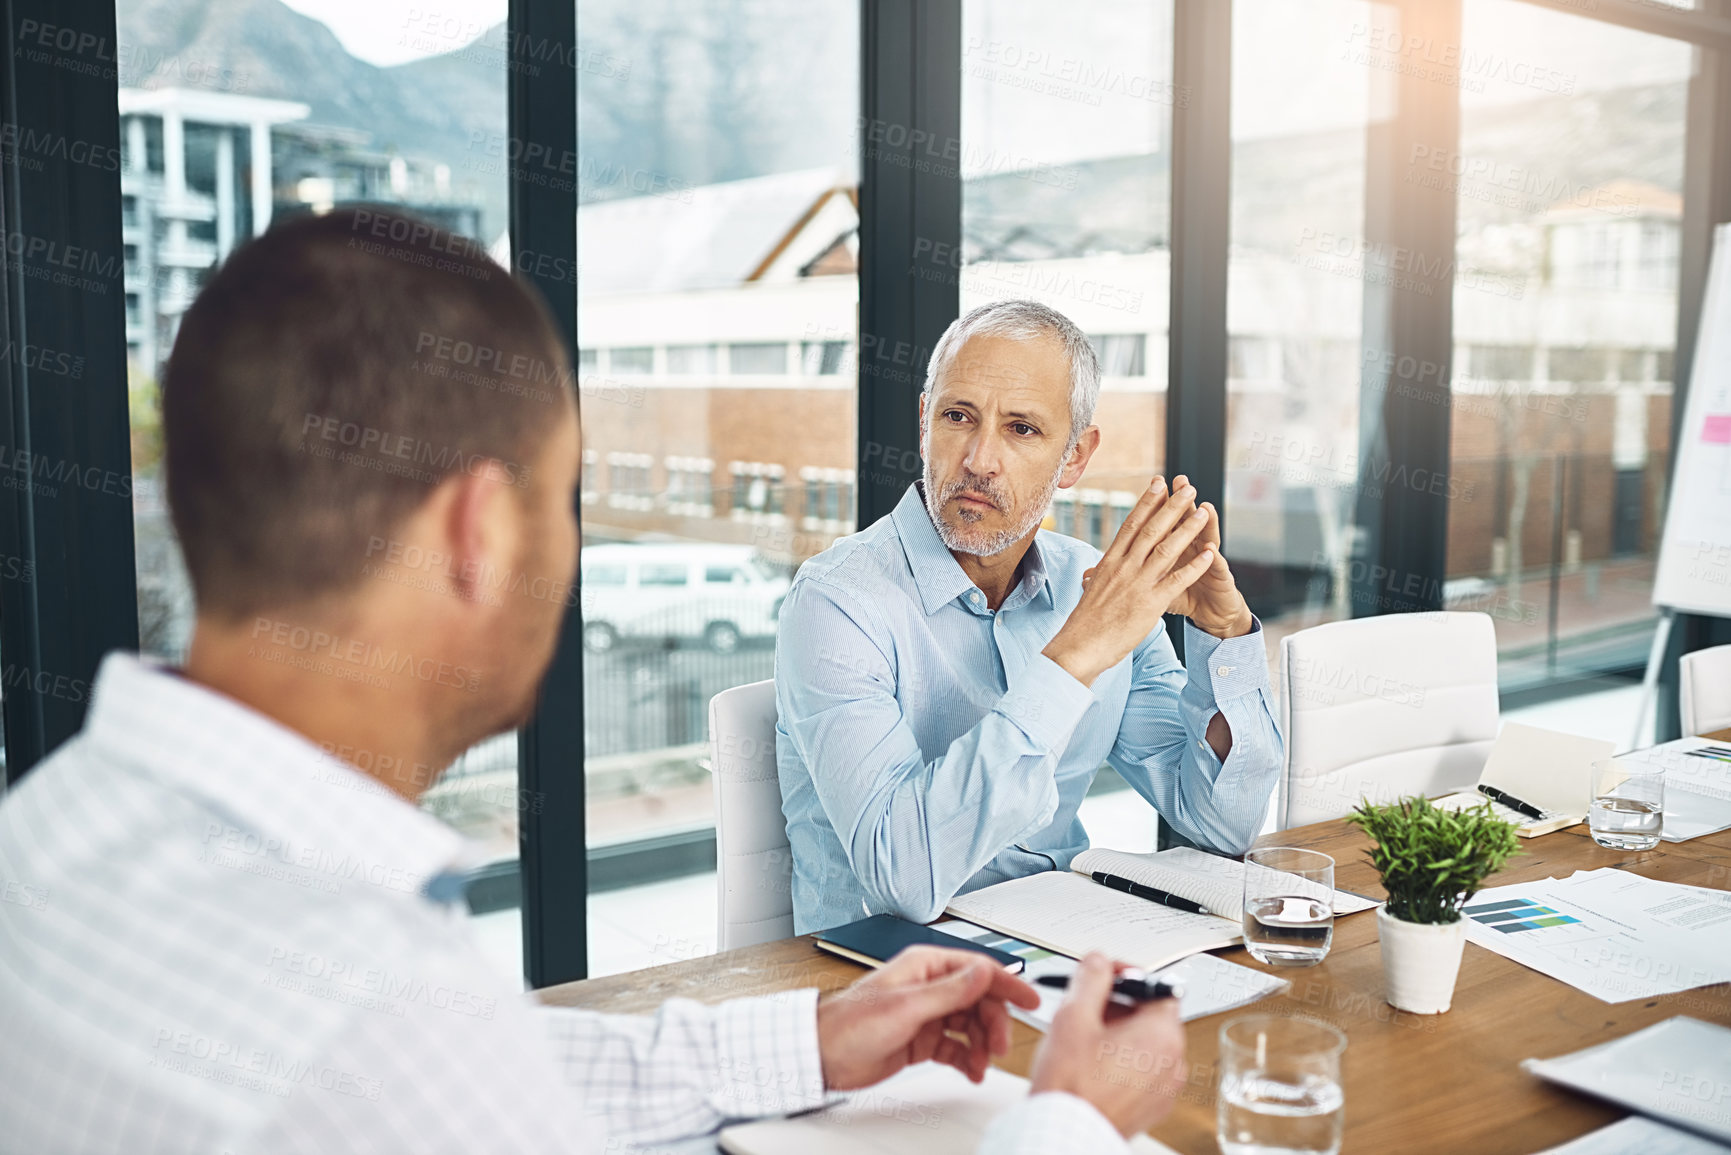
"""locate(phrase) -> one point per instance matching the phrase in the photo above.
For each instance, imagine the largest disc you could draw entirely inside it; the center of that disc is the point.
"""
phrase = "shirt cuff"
(1229, 667)
(767, 1055)
(1046, 702)
(1051, 1124)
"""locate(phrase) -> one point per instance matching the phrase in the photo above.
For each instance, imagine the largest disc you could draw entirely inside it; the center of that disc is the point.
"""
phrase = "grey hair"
(1024, 320)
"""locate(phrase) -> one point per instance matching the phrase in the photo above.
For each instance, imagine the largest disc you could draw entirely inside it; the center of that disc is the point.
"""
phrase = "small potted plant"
(1431, 861)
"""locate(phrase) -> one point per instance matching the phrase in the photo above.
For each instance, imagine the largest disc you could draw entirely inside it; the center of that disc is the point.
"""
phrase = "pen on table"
(1151, 893)
(1510, 801)
(1137, 990)
(1709, 753)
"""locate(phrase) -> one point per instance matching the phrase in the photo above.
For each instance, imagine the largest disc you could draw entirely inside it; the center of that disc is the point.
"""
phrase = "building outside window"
(636, 361)
(823, 358)
(628, 481)
(759, 357)
(689, 486)
(1121, 354)
(829, 498)
(757, 491)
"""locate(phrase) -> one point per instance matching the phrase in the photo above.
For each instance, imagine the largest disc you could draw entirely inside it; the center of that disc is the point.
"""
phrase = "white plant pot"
(1419, 962)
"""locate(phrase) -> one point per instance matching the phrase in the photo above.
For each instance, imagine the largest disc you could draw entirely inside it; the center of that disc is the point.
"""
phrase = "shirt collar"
(937, 575)
(267, 779)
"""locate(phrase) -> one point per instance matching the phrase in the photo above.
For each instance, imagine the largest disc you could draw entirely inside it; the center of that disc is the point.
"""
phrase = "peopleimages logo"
(379, 443)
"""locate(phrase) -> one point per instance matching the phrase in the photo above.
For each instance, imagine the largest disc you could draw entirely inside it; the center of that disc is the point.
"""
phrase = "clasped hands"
(1165, 559)
(952, 1006)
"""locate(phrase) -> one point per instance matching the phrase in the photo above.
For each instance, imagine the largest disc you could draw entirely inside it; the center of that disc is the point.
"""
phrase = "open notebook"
(924, 1108)
(1546, 769)
(1068, 912)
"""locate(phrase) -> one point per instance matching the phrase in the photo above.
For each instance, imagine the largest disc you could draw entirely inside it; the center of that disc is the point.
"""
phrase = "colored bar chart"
(1515, 915)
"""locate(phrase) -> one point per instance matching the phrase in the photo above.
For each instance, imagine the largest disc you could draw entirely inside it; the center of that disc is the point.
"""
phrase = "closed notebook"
(1546, 769)
(875, 940)
(926, 1108)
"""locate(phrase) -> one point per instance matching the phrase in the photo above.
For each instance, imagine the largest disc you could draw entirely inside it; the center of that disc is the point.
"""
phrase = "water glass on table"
(1288, 905)
(1628, 810)
(1279, 1087)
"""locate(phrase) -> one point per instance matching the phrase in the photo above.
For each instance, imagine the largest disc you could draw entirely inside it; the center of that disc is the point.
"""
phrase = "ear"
(1077, 462)
(923, 396)
(483, 522)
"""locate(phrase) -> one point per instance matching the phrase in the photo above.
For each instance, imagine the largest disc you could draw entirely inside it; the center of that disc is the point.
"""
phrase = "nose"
(984, 454)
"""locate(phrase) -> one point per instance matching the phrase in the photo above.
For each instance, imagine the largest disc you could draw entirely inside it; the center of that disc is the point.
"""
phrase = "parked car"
(722, 594)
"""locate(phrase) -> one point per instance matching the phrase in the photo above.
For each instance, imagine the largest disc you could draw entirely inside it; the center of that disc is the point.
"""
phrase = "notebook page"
(925, 1108)
(1065, 912)
(1546, 769)
(1197, 875)
(1217, 888)
(1525, 824)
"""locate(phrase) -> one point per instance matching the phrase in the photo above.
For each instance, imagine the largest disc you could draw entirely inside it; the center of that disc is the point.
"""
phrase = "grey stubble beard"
(955, 540)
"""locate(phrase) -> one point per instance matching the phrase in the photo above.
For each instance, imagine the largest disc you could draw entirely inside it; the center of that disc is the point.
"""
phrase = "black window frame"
(79, 601)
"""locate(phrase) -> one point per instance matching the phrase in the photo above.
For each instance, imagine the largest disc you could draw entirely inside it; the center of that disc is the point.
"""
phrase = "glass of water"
(1628, 811)
(1288, 905)
(1279, 1087)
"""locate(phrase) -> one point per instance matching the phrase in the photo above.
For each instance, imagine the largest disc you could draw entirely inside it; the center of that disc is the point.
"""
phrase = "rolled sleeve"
(1046, 703)
(1225, 668)
(1162, 749)
(1053, 1123)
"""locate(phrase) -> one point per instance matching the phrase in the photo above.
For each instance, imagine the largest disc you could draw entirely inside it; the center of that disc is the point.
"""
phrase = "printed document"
(1613, 934)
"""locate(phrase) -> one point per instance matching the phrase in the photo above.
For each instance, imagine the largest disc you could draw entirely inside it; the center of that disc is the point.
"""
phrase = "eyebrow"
(1013, 415)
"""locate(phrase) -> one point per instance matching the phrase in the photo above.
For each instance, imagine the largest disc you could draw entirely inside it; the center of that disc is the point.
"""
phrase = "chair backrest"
(1704, 690)
(1385, 707)
(753, 862)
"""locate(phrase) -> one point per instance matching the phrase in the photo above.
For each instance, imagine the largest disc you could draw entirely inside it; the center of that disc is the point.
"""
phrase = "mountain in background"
(673, 92)
(1302, 185)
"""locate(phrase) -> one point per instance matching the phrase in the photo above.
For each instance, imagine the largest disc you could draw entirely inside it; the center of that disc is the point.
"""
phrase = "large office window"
(718, 240)
(1569, 182)
(227, 127)
(1066, 198)
(1301, 103)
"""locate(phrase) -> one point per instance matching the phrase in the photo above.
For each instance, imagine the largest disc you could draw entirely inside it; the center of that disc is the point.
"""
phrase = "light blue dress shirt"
(926, 747)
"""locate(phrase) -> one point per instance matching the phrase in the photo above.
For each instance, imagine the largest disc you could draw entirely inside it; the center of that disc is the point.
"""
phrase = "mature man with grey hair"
(950, 679)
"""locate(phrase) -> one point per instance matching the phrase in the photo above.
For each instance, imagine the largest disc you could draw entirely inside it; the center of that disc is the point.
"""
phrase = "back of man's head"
(330, 375)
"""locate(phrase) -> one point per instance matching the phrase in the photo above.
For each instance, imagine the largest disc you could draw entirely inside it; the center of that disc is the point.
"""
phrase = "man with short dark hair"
(246, 938)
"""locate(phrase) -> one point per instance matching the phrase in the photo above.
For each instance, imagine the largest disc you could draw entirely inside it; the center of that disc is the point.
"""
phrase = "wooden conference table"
(1443, 1083)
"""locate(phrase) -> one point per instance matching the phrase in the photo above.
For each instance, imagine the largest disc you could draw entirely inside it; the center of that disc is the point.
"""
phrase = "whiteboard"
(1694, 571)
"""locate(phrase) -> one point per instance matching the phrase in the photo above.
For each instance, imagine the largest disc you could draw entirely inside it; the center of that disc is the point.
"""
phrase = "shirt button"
(1222, 671)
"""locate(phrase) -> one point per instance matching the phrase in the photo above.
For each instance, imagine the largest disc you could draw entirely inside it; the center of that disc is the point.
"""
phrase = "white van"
(720, 593)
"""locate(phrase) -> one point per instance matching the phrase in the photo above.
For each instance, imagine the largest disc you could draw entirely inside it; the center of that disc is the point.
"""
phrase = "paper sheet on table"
(1615, 935)
(1697, 789)
(1210, 984)
(1678, 1071)
(924, 1108)
(1637, 1133)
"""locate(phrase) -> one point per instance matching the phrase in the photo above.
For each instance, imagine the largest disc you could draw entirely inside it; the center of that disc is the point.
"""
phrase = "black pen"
(1151, 893)
(1136, 990)
(1510, 801)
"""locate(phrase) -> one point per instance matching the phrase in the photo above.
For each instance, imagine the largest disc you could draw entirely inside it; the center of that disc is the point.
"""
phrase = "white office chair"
(1704, 690)
(1384, 707)
(753, 862)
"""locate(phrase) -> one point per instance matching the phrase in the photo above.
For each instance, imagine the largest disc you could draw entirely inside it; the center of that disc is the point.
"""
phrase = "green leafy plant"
(1431, 860)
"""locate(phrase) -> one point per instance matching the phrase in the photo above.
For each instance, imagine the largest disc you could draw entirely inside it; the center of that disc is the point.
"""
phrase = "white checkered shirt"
(214, 938)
